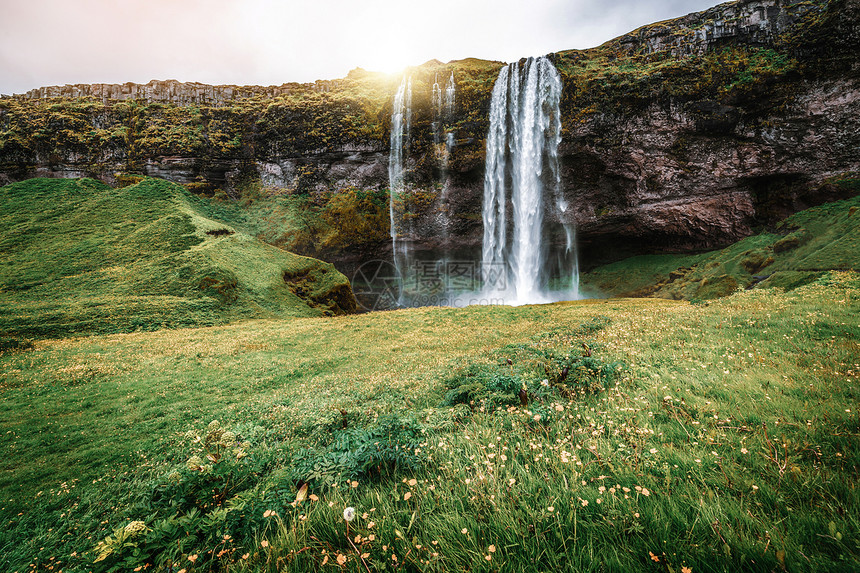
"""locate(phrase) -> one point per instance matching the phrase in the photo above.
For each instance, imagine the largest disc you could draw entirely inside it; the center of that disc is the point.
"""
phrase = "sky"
(269, 42)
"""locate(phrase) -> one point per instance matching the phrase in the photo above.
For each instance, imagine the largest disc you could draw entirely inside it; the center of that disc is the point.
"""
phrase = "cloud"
(91, 41)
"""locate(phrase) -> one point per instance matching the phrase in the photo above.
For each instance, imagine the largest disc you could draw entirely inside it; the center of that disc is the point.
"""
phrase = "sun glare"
(377, 56)
(386, 45)
(387, 63)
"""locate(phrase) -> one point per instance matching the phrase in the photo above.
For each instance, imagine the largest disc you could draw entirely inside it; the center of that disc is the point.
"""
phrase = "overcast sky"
(268, 42)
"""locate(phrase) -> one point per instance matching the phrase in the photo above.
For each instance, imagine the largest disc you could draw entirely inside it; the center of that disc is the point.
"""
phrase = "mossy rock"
(755, 261)
(789, 280)
(316, 291)
(792, 241)
(716, 287)
(786, 243)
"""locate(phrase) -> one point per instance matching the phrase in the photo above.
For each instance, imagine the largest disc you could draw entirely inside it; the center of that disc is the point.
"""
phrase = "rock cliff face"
(172, 91)
(699, 174)
(695, 165)
(686, 134)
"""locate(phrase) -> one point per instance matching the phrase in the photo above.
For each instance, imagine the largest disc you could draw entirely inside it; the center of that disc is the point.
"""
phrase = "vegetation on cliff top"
(352, 112)
(624, 76)
(79, 257)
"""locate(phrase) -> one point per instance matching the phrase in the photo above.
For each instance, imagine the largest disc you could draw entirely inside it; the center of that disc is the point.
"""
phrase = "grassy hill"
(797, 251)
(651, 435)
(79, 257)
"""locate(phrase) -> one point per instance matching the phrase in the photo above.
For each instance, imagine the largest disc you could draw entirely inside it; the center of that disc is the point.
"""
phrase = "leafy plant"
(525, 373)
(391, 445)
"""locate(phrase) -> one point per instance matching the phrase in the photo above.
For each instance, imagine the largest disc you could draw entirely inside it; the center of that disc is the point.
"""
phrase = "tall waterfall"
(401, 124)
(521, 167)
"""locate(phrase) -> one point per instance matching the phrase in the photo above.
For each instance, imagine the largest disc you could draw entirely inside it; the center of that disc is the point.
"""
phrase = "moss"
(716, 287)
(791, 241)
(418, 201)
(754, 261)
(127, 179)
(789, 280)
(313, 287)
(355, 217)
(848, 182)
(201, 187)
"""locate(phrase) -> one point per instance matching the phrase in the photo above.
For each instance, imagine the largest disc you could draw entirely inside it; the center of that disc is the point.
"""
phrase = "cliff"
(169, 91)
(686, 134)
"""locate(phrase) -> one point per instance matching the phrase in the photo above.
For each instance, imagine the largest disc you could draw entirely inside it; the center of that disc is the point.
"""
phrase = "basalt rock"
(172, 91)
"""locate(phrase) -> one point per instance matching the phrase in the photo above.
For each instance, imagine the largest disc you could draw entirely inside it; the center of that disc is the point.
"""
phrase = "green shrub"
(390, 445)
(483, 385)
(532, 373)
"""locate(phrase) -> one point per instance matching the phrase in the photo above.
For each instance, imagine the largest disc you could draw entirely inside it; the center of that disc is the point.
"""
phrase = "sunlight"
(386, 53)
(388, 62)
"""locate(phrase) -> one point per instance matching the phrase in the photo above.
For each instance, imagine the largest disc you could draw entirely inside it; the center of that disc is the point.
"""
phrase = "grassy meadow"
(609, 435)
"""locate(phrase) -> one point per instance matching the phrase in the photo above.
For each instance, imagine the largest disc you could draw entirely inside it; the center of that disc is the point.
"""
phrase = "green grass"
(615, 434)
(802, 248)
(79, 257)
(733, 426)
(635, 274)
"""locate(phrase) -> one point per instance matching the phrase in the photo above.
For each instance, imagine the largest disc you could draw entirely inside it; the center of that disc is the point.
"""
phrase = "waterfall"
(521, 168)
(444, 148)
(495, 205)
(450, 95)
(437, 109)
(401, 124)
(450, 91)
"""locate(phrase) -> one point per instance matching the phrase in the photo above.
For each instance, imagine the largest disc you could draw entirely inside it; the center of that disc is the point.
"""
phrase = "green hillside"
(798, 251)
(78, 257)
